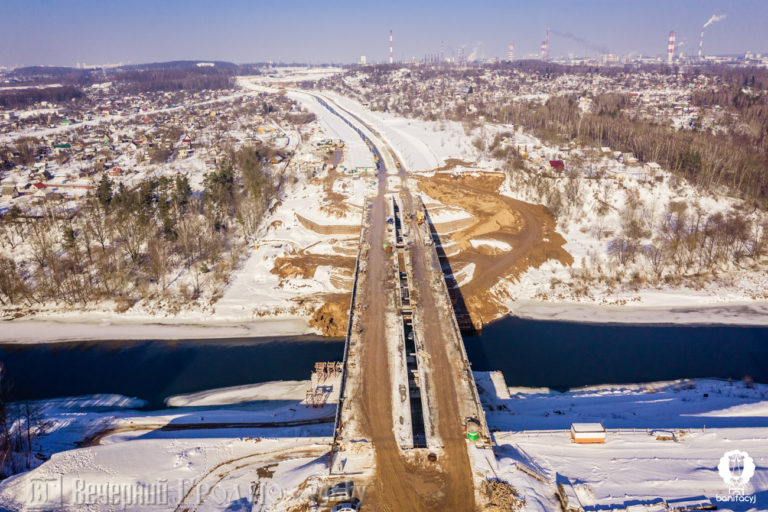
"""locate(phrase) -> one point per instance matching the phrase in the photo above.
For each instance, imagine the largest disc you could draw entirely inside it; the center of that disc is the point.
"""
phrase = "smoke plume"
(714, 19)
(587, 43)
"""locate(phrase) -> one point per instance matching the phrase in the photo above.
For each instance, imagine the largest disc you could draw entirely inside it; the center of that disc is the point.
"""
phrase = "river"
(530, 353)
(564, 355)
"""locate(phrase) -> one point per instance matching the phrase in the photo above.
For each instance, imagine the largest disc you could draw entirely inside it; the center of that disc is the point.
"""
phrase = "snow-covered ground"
(736, 296)
(707, 418)
(256, 302)
(356, 153)
(114, 326)
(421, 145)
(490, 243)
(668, 308)
(177, 455)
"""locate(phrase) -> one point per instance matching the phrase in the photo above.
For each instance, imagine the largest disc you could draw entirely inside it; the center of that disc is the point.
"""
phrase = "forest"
(159, 241)
(190, 79)
(20, 98)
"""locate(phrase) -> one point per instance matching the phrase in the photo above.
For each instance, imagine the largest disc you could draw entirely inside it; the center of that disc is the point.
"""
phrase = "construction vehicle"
(420, 217)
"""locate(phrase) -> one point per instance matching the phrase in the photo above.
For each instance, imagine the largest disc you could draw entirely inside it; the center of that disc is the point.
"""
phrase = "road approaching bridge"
(409, 407)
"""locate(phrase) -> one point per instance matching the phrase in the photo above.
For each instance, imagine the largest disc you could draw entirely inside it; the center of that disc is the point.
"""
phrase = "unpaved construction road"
(528, 229)
(401, 485)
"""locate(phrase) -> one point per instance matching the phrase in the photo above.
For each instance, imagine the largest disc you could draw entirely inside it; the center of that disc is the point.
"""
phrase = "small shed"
(652, 167)
(587, 433)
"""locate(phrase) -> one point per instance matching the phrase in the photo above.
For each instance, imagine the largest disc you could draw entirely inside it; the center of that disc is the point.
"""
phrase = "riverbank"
(154, 370)
(87, 327)
(176, 455)
(664, 441)
(111, 326)
(667, 311)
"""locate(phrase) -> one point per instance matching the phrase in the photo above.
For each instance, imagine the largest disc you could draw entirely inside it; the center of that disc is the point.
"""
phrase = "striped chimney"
(671, 47)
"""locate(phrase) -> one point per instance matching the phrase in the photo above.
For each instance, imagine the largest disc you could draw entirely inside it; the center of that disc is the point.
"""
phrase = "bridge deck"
(405, 397)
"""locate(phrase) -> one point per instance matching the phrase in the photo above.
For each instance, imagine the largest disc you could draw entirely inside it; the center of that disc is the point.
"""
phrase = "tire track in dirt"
(531, 235)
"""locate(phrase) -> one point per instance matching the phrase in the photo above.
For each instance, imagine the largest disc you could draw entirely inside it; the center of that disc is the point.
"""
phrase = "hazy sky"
(59, 32)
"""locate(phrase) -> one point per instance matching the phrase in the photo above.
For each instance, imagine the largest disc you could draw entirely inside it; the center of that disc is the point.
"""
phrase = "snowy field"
(421, 145)
(356, 153)
(664, 441)
(257, 302)
(156, 460)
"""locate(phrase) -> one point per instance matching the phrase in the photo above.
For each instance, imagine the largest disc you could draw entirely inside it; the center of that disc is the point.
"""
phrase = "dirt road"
(400, 485)
(404, 483)
(528, 229)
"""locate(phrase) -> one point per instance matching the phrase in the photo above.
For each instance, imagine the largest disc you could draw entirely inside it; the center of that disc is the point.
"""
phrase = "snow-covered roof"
(587, 427)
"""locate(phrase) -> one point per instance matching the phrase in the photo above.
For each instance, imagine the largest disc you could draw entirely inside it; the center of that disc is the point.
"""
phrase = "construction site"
(409, 417)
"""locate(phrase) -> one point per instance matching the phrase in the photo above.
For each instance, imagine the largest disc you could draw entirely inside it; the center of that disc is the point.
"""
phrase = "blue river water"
(534, 353)
(564, 355)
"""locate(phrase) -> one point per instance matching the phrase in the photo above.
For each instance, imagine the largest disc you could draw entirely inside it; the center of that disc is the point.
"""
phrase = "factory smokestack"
(511, 52)
(671, 47)
(545, 48)
(713, 19)
(390, 47)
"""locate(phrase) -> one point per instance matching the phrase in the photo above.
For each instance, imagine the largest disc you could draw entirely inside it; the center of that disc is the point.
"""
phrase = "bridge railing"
(457, 331)
(350, 325)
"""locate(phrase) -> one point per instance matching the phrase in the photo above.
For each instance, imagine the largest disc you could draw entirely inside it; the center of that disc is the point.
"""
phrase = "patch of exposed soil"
(334, 203)
(304, 266)
(333, 316)
(528, 228)
(274, 207)
(452, 163)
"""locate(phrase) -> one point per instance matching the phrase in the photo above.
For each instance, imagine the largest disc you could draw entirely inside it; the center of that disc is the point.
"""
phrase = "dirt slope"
(528, 228)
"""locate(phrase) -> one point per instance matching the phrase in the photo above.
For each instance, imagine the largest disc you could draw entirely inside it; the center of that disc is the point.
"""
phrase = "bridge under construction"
(409, 421)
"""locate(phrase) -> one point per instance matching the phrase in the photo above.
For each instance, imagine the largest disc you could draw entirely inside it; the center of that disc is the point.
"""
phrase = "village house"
(10, 192)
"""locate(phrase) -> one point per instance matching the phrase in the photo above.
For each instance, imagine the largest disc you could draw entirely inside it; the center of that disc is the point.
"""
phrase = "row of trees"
(708, 160)
(735, 157)
(20, 98)
(21, 424)
(157, 240)
(687, 241)
(190, 79)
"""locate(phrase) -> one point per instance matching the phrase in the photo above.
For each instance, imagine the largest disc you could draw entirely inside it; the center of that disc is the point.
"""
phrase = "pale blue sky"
(59, 32)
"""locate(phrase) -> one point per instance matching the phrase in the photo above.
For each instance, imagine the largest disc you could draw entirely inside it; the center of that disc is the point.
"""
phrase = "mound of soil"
(332, 317)
(527, 228)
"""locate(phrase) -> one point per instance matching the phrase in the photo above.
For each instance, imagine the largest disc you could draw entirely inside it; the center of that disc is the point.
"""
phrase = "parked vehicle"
(342, 491)
(346, 507)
